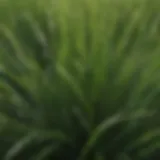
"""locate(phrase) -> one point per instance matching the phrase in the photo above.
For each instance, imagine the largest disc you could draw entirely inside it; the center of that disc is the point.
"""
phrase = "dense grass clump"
(79, 80)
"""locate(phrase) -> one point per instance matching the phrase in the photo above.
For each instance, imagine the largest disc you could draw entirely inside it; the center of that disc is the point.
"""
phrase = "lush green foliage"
(79, 79)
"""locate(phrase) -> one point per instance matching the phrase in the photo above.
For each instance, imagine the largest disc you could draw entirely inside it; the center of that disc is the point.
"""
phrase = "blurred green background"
(79, 79)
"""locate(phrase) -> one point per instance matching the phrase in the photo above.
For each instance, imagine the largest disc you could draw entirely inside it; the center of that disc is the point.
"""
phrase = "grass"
(79, 80)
